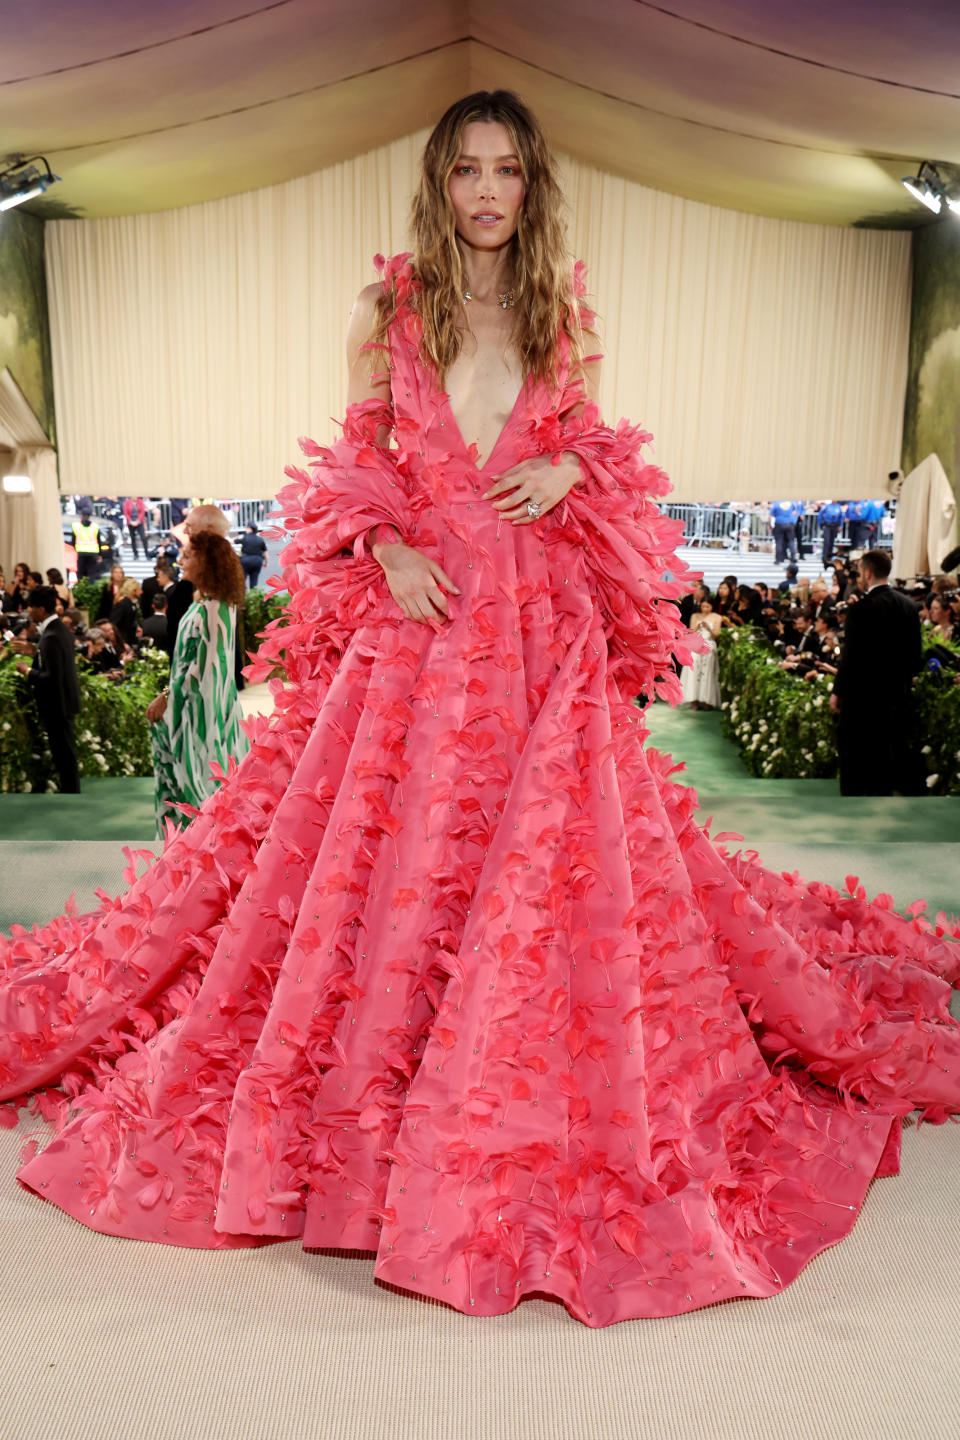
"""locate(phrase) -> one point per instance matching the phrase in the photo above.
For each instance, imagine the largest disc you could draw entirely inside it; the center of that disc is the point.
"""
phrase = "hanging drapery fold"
(192, 346)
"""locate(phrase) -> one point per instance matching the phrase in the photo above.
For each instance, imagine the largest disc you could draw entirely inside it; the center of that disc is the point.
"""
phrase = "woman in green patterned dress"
(196, 721)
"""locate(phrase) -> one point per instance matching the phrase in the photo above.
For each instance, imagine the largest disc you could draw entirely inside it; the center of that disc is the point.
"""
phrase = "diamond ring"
(533, 509)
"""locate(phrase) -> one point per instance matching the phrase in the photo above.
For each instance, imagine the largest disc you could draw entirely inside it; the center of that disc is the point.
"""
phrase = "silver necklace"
(505, 298)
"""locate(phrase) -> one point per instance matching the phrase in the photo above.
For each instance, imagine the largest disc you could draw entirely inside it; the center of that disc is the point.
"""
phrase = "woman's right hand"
(156, 708)
(416, 582)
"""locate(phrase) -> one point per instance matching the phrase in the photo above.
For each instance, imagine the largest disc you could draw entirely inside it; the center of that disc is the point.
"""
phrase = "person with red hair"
(195, 722)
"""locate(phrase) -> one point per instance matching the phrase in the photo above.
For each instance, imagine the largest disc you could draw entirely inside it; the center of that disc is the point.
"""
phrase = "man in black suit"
(53, 676)
(160, 582)
(872, 694)
(155, 625)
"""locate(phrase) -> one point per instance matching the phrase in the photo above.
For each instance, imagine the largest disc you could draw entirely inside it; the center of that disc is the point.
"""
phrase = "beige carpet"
(106, 1339)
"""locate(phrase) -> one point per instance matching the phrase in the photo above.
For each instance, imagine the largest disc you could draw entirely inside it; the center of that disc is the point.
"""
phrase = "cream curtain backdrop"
(193, 346)
(29, 524)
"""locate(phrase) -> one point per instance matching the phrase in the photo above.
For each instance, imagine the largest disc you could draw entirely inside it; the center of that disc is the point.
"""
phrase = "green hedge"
(784, 727)
(259, 609)
(87, 595)
(111, 728)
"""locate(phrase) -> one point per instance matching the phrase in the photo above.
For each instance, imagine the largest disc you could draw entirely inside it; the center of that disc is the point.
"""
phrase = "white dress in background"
(699, 681)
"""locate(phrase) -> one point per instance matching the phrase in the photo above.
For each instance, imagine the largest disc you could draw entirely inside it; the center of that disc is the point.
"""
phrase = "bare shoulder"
(367, 377)
(587, 370)
(592, 363)
(361, 320)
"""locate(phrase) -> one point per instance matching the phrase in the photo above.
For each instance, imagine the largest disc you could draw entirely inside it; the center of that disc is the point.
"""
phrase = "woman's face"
(706, 607)
(936, 610)
(486, 186)
(187, 562)
(723, 591)
(20, 573)
(116, 574)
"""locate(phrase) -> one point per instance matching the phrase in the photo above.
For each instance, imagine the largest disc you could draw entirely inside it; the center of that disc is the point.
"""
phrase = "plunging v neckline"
(506, 426)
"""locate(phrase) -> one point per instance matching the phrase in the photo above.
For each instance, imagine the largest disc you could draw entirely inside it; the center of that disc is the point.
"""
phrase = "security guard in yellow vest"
(86, 541)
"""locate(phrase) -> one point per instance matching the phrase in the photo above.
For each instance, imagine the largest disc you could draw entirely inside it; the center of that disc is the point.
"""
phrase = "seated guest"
(805, 653)
(778, 626)
(849, 579)
(15, 594)
(746, 607)
(125, 615)
(73, 619)
(101, 657)
(154, 626)
(111, 591)
(56, 581)
(116, 642)
(162, 579)
(725, 597)
(939, 619)
(826, 628)
(819, 595)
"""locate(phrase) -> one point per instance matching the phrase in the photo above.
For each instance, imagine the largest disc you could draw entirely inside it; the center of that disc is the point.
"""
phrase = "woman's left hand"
(156, 708)
(537, 480)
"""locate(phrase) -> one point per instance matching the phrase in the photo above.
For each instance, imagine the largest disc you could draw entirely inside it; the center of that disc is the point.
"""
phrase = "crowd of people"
(130, 618)
(191, 611)
(808, 626)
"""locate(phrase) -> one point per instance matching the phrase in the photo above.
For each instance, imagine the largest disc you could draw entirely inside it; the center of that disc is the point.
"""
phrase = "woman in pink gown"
(445, 969)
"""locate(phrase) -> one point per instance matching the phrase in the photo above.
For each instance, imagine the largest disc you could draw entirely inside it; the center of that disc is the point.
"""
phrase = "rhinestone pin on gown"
(445, 969)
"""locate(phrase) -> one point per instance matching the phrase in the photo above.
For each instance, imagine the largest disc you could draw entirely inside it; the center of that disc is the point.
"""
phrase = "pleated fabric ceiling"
(809, 110)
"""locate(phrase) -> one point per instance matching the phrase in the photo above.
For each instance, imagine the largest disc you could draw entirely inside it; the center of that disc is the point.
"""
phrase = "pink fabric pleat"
(445, 969)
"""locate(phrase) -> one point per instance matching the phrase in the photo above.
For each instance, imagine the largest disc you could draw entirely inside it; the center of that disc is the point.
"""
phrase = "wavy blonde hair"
(542, 266)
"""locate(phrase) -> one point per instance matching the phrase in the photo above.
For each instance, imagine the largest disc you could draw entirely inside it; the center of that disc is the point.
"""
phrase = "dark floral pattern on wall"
(932, 411)
(24, 318)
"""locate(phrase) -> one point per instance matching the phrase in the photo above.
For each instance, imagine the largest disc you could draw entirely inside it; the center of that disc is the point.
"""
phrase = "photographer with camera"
(803, 654)
(872, 693)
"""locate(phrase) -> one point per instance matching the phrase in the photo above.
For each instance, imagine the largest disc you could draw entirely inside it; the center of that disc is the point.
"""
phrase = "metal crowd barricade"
(717, 526)
(747, 528)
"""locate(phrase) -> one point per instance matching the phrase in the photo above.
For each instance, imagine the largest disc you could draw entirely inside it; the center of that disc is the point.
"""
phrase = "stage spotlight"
(921, 189)
(24, 180)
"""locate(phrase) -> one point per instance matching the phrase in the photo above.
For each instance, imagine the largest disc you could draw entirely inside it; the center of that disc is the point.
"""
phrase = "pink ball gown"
(445, 969)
